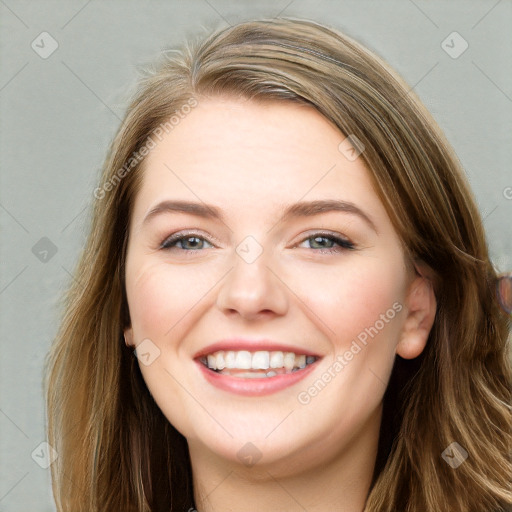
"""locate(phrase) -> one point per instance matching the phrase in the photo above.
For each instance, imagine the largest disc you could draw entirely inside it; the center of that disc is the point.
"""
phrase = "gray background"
(58, 115)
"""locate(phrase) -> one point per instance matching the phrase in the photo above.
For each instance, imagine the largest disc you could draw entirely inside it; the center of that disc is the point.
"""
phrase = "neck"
(318, 478)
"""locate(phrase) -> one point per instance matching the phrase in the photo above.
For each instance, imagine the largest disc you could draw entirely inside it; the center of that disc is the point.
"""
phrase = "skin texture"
(252, 160)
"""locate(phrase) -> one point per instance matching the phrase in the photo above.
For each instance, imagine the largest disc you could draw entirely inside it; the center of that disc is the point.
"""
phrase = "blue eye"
(319, 238)
(193, 242)
(196, 242)
(328, 243)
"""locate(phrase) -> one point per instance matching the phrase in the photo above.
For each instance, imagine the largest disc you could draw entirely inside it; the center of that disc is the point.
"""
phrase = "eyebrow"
(301, 209)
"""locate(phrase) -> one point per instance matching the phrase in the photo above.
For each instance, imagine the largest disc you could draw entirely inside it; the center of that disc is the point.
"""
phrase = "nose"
(252, 290)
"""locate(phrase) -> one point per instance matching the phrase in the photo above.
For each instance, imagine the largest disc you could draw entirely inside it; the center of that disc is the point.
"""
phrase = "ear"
(421, 308)
(128, 337)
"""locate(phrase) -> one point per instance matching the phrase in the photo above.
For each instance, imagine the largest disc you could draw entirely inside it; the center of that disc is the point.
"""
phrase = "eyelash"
(343, 243)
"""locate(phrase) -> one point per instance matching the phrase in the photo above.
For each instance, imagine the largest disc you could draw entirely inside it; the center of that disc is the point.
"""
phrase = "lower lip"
(257, 386)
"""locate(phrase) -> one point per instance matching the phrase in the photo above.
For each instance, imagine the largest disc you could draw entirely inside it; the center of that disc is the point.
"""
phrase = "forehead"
(246, 155)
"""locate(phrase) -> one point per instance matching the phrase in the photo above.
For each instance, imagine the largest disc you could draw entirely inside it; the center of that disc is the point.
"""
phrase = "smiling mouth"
(256, 365)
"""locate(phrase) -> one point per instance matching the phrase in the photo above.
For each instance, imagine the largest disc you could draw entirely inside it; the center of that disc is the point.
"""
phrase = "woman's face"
(256, 235)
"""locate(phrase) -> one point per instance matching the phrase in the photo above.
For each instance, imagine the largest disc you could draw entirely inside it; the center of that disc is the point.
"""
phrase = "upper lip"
(237, 344)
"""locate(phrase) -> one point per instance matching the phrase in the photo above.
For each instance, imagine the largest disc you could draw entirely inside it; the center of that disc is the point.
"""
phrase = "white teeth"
(299, 360)
(259, 360)
(229, 359)
(220, 362)
(243, 360)
(289, 360)
(276, 360)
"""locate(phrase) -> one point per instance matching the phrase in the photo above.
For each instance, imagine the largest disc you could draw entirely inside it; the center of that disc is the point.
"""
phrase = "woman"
(285, 301)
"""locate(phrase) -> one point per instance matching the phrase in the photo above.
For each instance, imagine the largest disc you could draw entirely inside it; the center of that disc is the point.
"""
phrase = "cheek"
(363, 307)
(350, 299)
(146, 298)
(158, 298)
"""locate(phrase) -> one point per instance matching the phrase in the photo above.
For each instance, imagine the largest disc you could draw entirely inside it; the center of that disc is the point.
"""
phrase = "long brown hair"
(116, 449)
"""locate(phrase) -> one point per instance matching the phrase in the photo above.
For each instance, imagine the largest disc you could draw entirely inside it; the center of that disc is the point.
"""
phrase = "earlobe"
(128, 337)
(421, 307)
